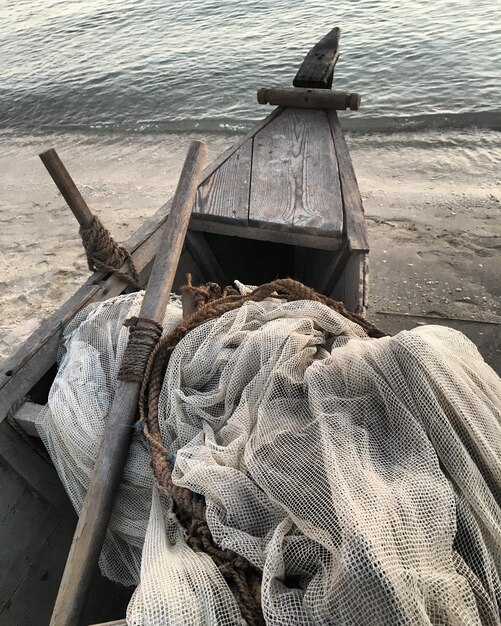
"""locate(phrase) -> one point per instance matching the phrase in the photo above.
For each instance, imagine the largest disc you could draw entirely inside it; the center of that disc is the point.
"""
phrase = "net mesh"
(361, 476)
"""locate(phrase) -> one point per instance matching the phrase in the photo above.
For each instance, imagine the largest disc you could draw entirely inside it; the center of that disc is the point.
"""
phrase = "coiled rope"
(210, 302)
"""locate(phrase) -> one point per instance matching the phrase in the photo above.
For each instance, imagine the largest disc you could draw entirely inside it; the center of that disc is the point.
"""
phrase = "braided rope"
(103, 253)
(143, 337)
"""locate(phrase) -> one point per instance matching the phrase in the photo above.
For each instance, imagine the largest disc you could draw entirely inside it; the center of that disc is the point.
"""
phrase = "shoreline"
(432, 202)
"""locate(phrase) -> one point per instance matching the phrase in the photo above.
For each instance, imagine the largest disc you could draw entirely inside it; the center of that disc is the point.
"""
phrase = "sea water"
(135, 66)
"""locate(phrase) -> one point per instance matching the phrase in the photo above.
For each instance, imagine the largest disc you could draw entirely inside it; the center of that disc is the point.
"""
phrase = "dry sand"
(432, 203)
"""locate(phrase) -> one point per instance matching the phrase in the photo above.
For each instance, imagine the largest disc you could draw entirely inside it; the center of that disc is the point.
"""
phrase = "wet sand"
(432, 204)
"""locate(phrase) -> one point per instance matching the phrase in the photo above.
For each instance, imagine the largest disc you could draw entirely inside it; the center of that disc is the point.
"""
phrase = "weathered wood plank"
(355, 225)
(31, 602)
(225, 194)
(37, 354)
(38, 474)
(351, 288)
(295, 180)
(12, 488)
(26, 417)
(22, 536)
(317, 69)
(268, 234)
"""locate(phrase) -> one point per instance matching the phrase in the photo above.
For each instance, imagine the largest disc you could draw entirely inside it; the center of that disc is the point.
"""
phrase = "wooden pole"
(67, 187)
(110, 461)
(309, 98)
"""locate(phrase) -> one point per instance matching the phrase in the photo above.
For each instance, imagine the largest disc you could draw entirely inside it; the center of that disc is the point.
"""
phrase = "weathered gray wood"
(225, 195)
(268, 234)
(118, 622)
(22, 536)
(166, 261)
(38, 474)
(204, 256)
(12, 488)
(31, 602)
(105, 479)
(37, 354)
(26, 416)
(355, 225)
(351, 288)
(295, 181)
(317, 69)
(66, 186)
(309, 98)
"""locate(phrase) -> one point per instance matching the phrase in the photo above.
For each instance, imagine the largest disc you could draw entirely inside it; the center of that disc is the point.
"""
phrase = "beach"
(120, 96)
(432, 203)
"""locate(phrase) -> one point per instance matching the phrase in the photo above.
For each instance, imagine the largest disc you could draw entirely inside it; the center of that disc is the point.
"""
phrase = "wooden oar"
(103, 252)
(67, 187)
(98, 504)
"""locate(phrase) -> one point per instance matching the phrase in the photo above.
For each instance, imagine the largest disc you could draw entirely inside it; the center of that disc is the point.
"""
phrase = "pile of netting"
(306, 469)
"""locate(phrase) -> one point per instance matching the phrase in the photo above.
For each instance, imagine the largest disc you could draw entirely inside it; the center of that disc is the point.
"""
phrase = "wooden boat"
(282, 201)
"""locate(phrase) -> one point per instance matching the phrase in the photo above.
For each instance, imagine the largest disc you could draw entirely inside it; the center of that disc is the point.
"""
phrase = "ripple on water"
(135, 64)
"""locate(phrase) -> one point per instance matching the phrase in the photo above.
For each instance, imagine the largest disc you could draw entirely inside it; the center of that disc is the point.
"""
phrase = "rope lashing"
(104, 254)
(143, 337)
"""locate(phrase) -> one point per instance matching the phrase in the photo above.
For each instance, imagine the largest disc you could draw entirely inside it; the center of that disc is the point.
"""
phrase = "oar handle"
(167, 258)
(66, 186)
(105, 479)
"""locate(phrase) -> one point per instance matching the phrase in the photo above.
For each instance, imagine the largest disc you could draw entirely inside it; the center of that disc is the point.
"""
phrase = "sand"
(432, 204)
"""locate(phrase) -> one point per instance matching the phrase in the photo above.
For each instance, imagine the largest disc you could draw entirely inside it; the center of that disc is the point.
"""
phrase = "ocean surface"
(132, 66)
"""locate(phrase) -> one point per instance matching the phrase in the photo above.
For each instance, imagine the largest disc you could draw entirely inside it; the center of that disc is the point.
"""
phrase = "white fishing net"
(361, 476)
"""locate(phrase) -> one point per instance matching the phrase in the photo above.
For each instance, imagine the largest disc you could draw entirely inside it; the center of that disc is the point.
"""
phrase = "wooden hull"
(283, 201)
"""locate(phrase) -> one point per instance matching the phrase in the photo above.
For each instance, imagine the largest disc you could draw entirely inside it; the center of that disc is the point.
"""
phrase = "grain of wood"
(295, 180)
(105, 479)
(309, 98)
(225, 194)
(22, 536)
(12, 488)
(267, 234)
(355, 224)
(31, 602)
